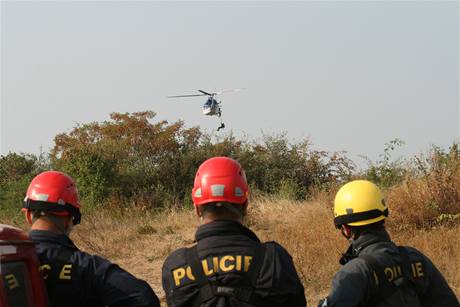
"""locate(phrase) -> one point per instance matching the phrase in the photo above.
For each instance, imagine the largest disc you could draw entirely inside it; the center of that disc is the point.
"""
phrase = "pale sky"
(348, 75)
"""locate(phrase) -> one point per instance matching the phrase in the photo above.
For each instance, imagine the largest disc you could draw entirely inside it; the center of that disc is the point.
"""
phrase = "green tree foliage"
(14, 166)
(386, 171)
(126, 158)
(131, 159)
(16, 171)
(278, 166)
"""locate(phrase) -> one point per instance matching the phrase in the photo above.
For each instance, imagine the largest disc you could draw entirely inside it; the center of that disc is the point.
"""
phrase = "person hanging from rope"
(222, 126)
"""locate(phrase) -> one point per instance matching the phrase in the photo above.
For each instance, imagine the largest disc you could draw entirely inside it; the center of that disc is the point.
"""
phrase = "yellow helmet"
(359, 203)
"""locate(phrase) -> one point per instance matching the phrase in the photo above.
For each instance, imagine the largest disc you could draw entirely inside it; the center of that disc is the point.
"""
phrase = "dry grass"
(431, 196)
(140, 241)
(424, 213)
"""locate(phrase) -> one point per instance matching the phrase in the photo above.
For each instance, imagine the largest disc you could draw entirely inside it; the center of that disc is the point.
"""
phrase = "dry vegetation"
(134, 174)
(140, 241)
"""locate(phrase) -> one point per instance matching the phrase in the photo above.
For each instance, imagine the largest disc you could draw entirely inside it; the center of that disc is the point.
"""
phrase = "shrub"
(430, 193)
(386, 172)
(16, 172)
(131, 160)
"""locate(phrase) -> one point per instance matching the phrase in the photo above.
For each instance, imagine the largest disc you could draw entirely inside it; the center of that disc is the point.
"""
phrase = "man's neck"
(208, 219)
(46, 226)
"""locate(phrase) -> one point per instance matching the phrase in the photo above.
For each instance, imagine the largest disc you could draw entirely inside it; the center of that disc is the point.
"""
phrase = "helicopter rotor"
(204, 93)
(178, 96)
(212, 101)
(229, 91)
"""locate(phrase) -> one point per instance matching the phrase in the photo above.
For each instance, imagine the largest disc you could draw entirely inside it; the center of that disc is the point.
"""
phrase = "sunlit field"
(139, 241)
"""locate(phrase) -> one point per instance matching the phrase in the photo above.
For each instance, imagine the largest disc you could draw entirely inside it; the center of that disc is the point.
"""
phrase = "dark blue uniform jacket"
(356, 285)
(225, 249)
(77, 279)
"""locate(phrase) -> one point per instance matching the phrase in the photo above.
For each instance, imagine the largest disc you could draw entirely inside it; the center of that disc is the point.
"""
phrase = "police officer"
(375, 271)
(228, 266)
(74, 278)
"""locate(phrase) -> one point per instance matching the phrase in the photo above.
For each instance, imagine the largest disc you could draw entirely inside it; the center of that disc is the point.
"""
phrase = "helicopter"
(211, 107)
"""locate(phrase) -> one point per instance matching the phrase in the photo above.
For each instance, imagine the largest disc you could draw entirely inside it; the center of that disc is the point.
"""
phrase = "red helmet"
(220, 179)
(54, 192)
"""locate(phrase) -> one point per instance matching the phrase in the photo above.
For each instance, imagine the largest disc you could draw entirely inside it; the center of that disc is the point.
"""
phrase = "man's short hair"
(38, 214)
(222, 210)
(359, 230)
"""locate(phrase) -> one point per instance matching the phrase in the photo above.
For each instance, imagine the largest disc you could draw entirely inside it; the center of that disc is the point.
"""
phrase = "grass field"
(140, 241)
(122, 166)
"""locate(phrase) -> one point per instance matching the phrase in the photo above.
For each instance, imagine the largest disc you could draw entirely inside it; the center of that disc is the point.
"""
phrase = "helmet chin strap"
(232, 209)
(346, 232)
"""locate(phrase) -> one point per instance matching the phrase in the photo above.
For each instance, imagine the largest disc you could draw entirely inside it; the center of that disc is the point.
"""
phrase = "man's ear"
(197, 211)
(68, 220)
(68, 224)
(28, 216)
(245, 208)
(346, 231)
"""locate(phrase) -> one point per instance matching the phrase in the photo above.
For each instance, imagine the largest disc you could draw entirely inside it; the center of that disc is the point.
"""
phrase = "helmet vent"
(41, 197)
(198, 192)
(238, 192)
(217, 190)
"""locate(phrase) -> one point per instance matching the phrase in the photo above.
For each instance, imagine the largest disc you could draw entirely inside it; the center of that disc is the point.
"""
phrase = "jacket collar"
(224, 228)
(368, 238)
(363, 241)
(42, 236)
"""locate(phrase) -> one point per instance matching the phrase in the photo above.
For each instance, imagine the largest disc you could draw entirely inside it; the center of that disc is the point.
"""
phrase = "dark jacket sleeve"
(180, 296)
(350, 285)
(436, 290)
(166, 281)
(118, 288)
(287, 289)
